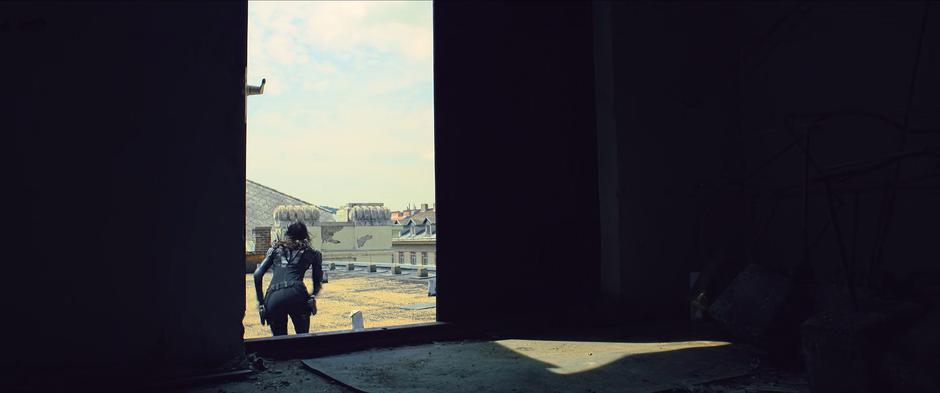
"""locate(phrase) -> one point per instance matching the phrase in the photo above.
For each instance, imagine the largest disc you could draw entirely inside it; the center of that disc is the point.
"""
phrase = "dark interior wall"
(515, 144)
(675, 102)
(696, 96)
(839, 59)
(701, 94)
(124, 166)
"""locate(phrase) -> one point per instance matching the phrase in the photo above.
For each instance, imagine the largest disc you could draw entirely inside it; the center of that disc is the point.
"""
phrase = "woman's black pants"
(281, 303)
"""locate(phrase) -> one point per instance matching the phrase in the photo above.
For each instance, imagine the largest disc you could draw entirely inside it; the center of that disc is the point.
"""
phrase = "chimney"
(424, 207)
(262, 237)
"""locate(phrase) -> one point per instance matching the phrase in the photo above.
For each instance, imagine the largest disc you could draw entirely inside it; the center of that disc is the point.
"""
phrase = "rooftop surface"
(382, 297)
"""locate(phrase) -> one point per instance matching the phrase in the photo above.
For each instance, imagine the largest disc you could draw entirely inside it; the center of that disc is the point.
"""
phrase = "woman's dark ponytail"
(298, 232)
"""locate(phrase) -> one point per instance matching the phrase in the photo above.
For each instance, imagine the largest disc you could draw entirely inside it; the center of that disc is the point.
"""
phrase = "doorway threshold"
(333, 343)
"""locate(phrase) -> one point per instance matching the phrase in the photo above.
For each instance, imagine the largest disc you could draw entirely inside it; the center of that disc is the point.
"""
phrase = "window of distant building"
(401, 257)
(414, 259)
(424, 258)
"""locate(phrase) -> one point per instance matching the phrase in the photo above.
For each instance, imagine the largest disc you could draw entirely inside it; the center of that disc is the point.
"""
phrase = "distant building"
(358, 232)
(353, 232)
(260, 202)
(416, 241)
(414, 212)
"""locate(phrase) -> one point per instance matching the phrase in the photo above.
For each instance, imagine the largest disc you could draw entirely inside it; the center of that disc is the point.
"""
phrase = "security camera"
(255, 90)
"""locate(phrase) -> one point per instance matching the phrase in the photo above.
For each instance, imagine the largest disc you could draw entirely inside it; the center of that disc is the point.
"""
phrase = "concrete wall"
(348, 241)
(670, 105)
(127, 121)
(344, 236)
(698, 100)
(514, 127)
(358, 256)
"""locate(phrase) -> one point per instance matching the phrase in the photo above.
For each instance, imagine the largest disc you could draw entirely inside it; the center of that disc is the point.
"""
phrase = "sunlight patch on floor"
(571, 357)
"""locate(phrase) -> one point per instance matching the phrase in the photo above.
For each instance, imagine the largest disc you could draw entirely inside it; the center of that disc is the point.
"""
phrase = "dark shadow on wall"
(124, 162)
(514, 139)
(708, 101)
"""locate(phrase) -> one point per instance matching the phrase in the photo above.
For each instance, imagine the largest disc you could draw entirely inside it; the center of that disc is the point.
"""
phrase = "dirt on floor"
(282, 376)
(762, 380)
(380, 296)
(291, 376)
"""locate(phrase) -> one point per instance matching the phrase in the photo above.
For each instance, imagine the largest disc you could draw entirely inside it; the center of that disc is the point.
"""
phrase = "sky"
(347, 113)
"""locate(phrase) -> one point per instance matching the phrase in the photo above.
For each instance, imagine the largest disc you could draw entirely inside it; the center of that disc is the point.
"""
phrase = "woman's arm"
(317, 269)
(259, 274)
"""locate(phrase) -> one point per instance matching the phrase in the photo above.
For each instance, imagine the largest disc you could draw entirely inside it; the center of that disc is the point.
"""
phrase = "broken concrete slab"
(749, 306)
(765, 308)
(762, 307)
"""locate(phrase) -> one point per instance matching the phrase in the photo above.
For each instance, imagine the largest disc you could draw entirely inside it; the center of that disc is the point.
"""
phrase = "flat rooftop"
(382, 297)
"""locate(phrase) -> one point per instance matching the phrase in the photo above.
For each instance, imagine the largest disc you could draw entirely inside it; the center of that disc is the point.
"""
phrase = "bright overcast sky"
(347, 111)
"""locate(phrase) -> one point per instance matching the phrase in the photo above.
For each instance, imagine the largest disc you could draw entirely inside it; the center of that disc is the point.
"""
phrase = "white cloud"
(331, 112)
(342, 27)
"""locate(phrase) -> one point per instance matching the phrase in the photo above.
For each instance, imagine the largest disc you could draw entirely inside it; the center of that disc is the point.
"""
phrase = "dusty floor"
(763, 380)
(538, 366)
(291, 376)
(380, 296)
(284, 376)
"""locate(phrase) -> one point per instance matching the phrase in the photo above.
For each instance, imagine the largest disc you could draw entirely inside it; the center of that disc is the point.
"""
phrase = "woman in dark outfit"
(287, 294)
